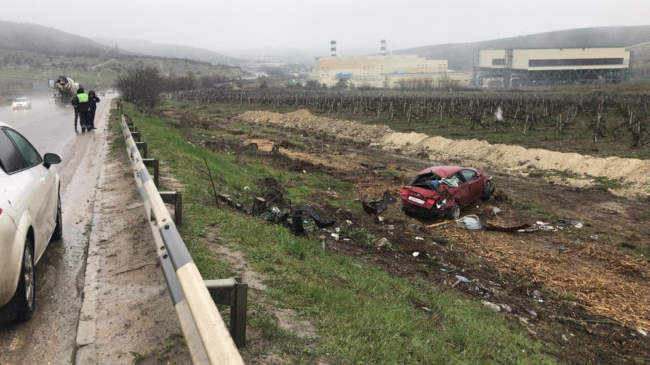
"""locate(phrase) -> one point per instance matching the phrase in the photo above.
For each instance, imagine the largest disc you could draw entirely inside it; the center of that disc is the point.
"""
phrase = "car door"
(38, 185)
(473, 184)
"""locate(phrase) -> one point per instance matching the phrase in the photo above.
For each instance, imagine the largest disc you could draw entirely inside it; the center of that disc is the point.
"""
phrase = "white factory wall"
(522, 57)
(375, 71)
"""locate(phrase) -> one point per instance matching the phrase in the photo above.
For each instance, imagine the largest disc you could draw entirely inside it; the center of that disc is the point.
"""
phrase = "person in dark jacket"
(81, 104)
(76, 114)
(93, 100)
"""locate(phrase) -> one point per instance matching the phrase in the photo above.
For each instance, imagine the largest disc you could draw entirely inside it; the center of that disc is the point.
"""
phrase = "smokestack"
(382, 48)
(333, 48)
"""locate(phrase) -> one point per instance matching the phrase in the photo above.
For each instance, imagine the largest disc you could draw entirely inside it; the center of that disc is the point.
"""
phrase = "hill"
(31, 54)
(33, 37)
(169, 51)
(459, 55)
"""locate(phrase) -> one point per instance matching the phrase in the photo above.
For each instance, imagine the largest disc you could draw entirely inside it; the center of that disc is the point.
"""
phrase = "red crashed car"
(444, 190)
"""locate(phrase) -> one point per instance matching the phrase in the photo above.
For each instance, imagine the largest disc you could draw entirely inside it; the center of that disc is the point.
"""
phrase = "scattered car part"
(471, 222)
(378, 206)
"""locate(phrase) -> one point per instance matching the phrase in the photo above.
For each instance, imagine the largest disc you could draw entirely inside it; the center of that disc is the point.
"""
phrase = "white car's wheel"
(58, 230)
(24, 299)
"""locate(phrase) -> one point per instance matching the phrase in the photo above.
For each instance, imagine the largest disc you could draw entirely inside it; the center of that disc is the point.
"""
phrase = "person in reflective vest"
(82, 106)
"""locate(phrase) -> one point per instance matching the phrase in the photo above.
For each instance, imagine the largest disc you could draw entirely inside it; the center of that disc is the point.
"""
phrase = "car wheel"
(453, 212)
(24, 299)
(489, 190)
(58, 230)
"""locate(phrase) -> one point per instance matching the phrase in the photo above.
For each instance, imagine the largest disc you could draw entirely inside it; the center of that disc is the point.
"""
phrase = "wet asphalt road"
(50, 336)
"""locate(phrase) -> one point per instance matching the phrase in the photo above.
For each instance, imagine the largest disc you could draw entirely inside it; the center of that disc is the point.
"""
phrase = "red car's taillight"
(405, 193)
(431, 201)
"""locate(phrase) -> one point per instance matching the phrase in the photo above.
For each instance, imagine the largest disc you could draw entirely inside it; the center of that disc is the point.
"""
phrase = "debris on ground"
(228, 200)
(493, 306)
(575, 223)
(463, 279)
(545, 226)
(437, 224)
(384, 242)
(492, 227)
(297, 221)
(470, 222)
(496, 210)
(440, 239)
(378, 206)
(275, 216)
(460, 279)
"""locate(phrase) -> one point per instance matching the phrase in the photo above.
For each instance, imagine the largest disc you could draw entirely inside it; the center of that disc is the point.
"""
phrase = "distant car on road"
(30, 217)
(444, 190)
(22, 103)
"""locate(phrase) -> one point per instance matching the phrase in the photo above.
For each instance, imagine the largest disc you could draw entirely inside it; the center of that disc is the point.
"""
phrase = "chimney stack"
(333, 48)
(382, 48)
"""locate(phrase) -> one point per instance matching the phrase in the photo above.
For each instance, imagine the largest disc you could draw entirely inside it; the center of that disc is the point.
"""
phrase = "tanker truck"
(64, 89)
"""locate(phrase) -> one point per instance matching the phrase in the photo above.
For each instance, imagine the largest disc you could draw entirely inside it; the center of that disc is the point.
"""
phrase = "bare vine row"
(602, 114)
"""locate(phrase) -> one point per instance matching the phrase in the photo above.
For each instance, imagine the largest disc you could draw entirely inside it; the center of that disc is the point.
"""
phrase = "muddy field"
(631, 177)
(582, 289)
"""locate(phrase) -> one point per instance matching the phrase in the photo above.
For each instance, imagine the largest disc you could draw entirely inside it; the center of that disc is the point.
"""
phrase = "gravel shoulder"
(127, 315)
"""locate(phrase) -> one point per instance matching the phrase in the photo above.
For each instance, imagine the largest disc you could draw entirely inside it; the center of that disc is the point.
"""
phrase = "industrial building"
(550, 66)
(385, 71)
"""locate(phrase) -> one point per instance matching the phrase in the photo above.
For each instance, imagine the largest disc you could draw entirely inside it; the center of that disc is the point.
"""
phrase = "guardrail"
(205, 332)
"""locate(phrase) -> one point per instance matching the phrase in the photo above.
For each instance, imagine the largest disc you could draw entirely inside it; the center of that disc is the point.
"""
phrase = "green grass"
(363, 313)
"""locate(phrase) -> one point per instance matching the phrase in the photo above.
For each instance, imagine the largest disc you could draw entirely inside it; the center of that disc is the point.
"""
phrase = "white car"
(30, 217)
(21, 104)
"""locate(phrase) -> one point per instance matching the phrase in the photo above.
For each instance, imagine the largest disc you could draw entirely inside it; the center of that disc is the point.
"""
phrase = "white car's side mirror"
(50, 159)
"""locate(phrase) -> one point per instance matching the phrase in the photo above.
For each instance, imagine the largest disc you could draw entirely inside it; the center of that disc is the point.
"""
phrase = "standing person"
(92, 100)
(81, 104)
(76, 113)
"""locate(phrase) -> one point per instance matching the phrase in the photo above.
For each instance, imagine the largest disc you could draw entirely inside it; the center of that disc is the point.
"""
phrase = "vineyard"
(593, 118)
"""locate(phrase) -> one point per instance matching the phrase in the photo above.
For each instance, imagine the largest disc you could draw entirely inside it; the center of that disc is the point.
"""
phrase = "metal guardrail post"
(205, 332)
(234, 293)
(145, 151)
(176, 199)
(238, 314)
(153, 163)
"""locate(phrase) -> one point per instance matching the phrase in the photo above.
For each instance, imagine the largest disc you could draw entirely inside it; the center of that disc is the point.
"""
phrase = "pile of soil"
(303, 119)
(634, 174)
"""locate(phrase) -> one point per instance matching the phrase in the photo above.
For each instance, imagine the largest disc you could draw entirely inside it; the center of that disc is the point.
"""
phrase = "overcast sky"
(232, 26)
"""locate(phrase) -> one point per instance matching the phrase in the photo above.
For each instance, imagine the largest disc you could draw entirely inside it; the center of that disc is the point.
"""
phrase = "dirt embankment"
(581, 170)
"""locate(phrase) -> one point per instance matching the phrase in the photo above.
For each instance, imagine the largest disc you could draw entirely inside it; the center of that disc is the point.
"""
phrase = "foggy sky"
(236, 25)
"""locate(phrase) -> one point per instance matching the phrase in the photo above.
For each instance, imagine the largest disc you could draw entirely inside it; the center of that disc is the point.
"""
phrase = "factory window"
(576, 62)
(498, 62)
